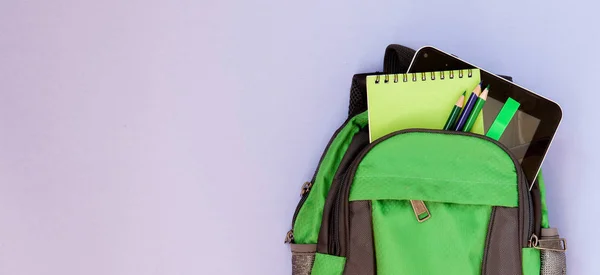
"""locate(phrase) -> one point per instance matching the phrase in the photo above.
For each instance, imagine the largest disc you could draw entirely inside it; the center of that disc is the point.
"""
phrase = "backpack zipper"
(306, 189)
(334, 241)
(289, 237)
(531, 230)
(421, 211)
(329, 145)
(334, 227)
(530, 214)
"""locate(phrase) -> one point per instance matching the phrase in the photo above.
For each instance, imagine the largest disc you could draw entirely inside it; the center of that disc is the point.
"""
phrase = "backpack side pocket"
(552, 249)
(303, 258)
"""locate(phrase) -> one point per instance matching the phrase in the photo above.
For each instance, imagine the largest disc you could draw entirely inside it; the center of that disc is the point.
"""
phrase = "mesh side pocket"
(554, 263)
(553, 258)
(303, 258)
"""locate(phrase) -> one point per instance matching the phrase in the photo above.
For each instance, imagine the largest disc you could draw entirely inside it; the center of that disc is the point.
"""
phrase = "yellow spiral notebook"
(417, 100)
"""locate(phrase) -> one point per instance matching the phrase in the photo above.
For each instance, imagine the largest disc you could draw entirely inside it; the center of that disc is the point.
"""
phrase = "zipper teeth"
(300, 203)
(327, 147)
(305, 196)
(527, 196)
(335, 225)
(354, 166)
(531, 213)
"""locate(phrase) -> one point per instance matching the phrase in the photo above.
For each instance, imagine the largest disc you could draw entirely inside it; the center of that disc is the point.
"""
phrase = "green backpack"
(410, 203)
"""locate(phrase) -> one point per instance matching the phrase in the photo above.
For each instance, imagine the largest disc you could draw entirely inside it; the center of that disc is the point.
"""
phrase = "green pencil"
(455, 112)
(476, 110)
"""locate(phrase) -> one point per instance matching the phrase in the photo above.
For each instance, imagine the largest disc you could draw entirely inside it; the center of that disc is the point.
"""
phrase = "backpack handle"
(397, 58)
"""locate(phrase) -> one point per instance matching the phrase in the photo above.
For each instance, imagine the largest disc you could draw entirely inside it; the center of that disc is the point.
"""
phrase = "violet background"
(172, 137)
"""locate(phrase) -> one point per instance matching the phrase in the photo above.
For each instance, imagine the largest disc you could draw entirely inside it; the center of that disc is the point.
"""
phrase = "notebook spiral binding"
(414, 76)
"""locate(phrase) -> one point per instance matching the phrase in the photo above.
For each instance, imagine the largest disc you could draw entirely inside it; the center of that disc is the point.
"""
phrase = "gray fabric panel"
(302, 262)
(359, 141)
(361, 254)
(503, 250)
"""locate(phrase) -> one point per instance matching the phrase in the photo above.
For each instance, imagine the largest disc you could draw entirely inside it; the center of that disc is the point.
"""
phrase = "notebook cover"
(394, 106)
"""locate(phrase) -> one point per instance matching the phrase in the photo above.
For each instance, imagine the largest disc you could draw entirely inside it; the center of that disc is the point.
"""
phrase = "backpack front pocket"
(474, 192)
(452, 241)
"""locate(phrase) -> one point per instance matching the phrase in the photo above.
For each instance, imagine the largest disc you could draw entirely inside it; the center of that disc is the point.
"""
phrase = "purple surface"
(172, 137)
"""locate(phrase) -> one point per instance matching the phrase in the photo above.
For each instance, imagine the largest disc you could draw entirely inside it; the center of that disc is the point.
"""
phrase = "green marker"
(455, 112)
(476, 110)
(503, 119)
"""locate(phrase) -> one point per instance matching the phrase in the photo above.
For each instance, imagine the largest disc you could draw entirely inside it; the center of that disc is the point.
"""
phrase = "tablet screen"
(518, 133)
(530, 132)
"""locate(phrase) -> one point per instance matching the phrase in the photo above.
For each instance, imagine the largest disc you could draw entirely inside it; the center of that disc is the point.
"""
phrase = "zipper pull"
(306, 188)
(553, 243)
(534, 241)
(289, 237)
(421, 211)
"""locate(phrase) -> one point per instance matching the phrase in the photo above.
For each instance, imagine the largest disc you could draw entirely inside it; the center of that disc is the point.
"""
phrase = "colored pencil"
(460, 123)
(476, 109)
(455, 112)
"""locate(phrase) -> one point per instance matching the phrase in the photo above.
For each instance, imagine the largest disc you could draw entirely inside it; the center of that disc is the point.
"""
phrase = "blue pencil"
(462, 119)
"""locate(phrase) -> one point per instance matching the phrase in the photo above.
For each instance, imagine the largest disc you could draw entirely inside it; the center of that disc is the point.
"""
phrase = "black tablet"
(531, 130)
